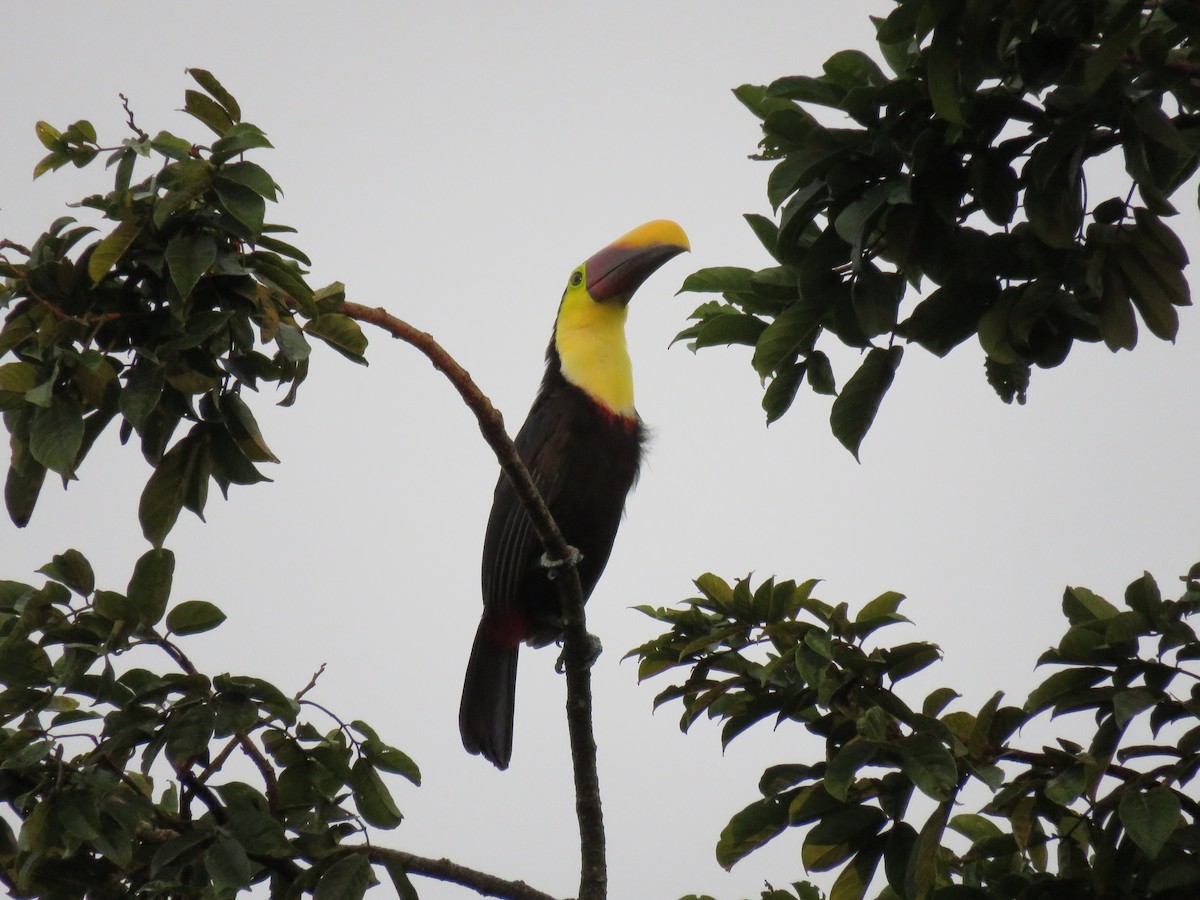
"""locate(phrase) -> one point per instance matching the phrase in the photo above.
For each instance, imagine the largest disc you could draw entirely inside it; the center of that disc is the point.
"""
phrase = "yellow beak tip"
(662, 232)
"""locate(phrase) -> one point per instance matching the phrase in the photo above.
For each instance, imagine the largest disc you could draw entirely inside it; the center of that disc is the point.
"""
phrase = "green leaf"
(189, 179)
(283, 248)
(371, 796)
(389, 759)
(244, 428)
(57, 435)
(194, 617)
(259, 833)
(941, 74)
(116, 607)
(291, 341)
(930, 765)
(171, 147)
(72, 569)
(793, 330)
(150, 585)
(178, 847)
(1067, 786)
(217, 91)
(227, 864)
(718, 279)
(238, 139)
(1149, 286)
(766, 231)
(1103, 61)
(243, 203)
(287, 278)
(165, 491)
(21, 491)
(923, 860)
(18, 377)
(853, 68)
(844, 766)
(855, 408)
(109, 250)
(884, 605)
(1081, 606)
(1150, 818)
(1061, 685)
(188, 731)
(142, 390)
(189, 256)
(780, 393)
(853, 880)
(749, 829)
(341, 333)
(50, 162)
(250, 175)
(839, 835)
(728, 328)
(807, 89)
(820, 374)
(400, 881)
(208, 111)
(346, 879)
(50, 136)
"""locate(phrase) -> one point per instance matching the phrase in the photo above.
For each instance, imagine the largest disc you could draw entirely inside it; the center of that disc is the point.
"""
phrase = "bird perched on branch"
(582, 444)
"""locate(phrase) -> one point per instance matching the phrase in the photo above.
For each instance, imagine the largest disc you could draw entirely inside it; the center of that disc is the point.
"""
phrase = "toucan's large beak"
(619, 269)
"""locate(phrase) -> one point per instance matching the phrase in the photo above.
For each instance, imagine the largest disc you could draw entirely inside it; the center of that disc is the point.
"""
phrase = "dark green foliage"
(1112, 819)
(162, 322)
(112, 747)
(963, 178)
(112, 744)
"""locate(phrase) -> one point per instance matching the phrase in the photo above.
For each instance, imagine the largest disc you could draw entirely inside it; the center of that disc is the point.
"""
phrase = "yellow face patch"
(590, 339)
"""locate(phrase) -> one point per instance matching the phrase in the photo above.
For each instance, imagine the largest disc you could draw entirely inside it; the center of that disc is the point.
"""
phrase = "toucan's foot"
(594, 649)
(553, 565)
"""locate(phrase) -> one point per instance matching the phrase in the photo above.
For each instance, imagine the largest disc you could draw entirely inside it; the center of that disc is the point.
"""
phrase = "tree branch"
(593, 874)
(445, 870)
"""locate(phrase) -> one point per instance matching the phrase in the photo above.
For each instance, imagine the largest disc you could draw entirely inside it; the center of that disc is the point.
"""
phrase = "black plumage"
(584, 459)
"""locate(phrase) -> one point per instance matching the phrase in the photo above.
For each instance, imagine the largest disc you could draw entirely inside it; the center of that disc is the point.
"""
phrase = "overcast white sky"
(452, 162)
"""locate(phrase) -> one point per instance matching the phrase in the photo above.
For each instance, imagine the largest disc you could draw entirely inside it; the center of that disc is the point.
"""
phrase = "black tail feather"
(485, 716)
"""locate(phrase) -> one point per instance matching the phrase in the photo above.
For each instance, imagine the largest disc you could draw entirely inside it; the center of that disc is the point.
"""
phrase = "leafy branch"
(961, 176)
(173, 319)
(777, 653)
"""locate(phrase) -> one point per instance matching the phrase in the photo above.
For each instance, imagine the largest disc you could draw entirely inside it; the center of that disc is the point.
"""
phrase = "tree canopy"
(969, 193)
(959, 204)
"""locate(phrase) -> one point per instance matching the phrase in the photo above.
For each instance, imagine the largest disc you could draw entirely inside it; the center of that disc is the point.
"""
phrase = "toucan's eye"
(577, 278)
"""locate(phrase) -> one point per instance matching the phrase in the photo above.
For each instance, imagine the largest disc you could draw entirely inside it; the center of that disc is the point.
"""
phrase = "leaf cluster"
(161, 322)
(114, 753)
(962, 178)
(1066, 821)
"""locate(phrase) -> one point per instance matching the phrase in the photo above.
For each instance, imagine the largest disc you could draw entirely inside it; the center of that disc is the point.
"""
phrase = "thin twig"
(593, 883)
(265, 770)
(132, 124)
(445, 870)
(312, 683)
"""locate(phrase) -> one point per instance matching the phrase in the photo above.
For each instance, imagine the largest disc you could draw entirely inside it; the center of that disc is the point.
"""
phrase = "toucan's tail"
(485, 716)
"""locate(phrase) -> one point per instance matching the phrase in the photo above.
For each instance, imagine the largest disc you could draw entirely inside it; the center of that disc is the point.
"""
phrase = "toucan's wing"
(511, 548)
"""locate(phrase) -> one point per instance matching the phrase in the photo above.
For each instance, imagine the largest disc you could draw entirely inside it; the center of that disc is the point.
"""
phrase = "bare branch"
(445, 870)
(312, 683)
(577, 658)
(132, 124)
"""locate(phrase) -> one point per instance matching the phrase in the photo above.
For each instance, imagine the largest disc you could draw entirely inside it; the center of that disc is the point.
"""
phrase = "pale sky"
(452, 162)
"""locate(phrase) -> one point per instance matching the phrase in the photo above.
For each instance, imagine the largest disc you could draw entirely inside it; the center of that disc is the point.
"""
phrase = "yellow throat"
(590, 340)
(589, 334)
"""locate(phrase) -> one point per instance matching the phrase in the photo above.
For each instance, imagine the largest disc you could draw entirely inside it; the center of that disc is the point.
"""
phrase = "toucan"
(582, 443)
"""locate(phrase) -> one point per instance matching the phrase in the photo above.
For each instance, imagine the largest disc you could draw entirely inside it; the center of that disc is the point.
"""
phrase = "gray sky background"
(452, 162)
